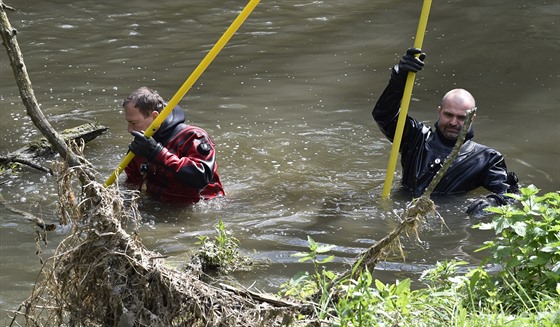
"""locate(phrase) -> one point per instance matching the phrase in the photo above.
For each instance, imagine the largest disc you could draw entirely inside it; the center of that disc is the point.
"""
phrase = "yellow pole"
(187, 85)
(405, 102)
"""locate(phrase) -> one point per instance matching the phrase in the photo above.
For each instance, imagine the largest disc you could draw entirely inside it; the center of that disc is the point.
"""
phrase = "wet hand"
(410, 63)
(144, 147)
(477, 207)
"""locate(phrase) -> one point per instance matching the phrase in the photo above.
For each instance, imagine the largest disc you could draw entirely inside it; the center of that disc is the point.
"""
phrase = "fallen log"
(41, 148)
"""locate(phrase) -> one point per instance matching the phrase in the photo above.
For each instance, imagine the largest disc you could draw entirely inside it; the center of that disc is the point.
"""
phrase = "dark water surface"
(288, 102)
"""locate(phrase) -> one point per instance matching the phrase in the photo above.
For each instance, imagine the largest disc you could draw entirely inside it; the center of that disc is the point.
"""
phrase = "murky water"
(288, 102)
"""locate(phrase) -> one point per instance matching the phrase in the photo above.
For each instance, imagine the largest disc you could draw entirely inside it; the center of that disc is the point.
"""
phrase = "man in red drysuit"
(177, 164)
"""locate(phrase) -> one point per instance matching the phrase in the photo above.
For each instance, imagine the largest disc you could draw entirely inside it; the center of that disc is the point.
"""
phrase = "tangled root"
(100, 275)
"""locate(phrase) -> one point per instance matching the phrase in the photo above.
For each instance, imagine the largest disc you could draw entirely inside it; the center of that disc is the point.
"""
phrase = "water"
(288, 102)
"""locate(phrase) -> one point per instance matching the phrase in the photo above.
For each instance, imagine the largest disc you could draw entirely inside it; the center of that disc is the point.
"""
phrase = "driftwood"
(26, 91)
(5, 6)
(272, 300)
(29, 154)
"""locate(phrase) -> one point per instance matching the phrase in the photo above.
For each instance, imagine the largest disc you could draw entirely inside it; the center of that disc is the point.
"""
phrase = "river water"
(288, 102)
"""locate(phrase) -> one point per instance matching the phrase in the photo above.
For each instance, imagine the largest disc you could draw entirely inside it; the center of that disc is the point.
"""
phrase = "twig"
(260, 297)
(6, 160)
(5, 6)
(38, 221)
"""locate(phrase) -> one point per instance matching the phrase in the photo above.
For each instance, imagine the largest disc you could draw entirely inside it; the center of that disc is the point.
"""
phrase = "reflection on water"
(288, 102)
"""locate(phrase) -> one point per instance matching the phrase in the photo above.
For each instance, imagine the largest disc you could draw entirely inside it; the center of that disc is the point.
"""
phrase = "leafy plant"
(315, 249)
(304, 285)
(443, 275)
(525, 292)
(300, 287)
(527, 246)
(356, 307)
(222, 253)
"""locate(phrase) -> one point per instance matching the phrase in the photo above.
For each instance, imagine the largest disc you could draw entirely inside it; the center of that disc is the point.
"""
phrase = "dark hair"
(146, 100)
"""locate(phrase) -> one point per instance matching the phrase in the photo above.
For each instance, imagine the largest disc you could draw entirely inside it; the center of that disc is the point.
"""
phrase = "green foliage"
(365, 305)
(299, 287)
(443, 276)
(527, 247)
(221, 254)
(525, 292)
(10, 168)
(315, 249)
(355, 302)
(304, 285)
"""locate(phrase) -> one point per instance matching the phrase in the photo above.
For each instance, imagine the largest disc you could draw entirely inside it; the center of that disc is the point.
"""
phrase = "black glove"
(492, 200)
(410, 63)
(144, 147)
(513, 182)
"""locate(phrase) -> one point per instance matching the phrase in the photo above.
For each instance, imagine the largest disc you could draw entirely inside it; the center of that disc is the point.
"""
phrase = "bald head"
(458, 98)
(453, 111)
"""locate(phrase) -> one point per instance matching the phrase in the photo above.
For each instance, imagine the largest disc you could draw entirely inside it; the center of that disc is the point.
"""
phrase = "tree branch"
(27, 94)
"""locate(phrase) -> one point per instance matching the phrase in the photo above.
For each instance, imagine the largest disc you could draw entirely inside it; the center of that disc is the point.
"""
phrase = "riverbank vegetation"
(518, 284)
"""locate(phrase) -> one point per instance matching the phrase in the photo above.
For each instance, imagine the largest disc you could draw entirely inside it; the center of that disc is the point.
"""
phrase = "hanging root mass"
(101, 275)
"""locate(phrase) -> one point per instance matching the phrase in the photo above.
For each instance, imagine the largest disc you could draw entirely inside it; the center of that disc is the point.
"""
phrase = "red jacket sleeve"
(190, 156)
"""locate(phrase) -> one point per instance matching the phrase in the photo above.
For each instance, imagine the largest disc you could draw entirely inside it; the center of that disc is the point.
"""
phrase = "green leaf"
(504, 250)
(329, 274)
(379, 285)
(312, 244)
(529, 190)
(498, 210)
(305, 259)
(402, 286)
(513, 262)
(556, 268)
(487, 245)
(540, 259)
(538, 231)
(303, 256)
(550, 249)
(327, 259)
(501, 224)
(300, 254)
(323, 248)
(520, 228)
